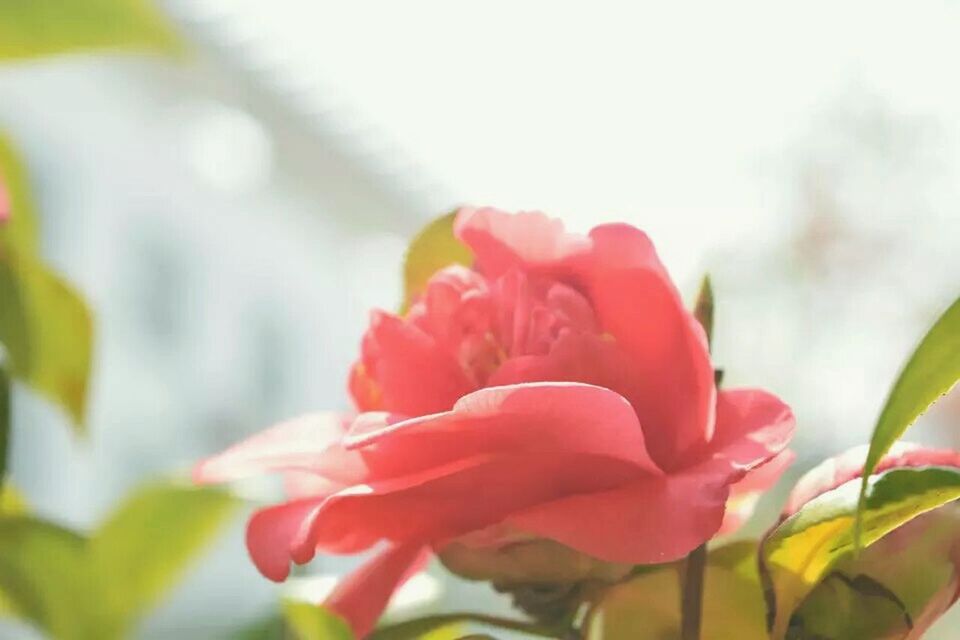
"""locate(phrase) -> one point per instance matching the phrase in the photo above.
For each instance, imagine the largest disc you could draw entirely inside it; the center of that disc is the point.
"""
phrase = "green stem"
(691, 604)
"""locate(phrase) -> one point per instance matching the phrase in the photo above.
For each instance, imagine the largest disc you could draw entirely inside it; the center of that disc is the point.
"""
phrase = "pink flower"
(557, 391)
(4, 203)
(909, 578)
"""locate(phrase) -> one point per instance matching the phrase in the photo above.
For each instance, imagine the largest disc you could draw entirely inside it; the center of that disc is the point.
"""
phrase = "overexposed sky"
(670, 115)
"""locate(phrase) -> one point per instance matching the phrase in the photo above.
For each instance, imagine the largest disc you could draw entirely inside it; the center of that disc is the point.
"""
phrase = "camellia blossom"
(554, 398)
(901, 584)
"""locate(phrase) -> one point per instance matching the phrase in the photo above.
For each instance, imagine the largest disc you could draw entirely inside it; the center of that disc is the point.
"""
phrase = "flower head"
(555, 398)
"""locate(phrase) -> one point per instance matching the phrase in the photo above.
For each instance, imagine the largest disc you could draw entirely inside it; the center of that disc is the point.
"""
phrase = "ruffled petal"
(745, 494)
(310, 443)
(542, 418)
(448, 502)
(271, 533)
(649, 521)
(362, 596)
(636, 302)
(414, 374)
(529, 240)
(662, 519)
(753, 426)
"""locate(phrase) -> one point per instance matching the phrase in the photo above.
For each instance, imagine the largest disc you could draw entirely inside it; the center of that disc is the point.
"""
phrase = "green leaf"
(4, 426)
(14, 332)
(145, 546)
(269, 628)
(31, 28)
(45, 327)
(434, 248)
(894, 589)
(648, 606)
(12, 503)
(93, 588)
(19, 232)
(704, 307)
(313, 622)
(48, 331)
(44, 578)
(930, 372)
(804, 548)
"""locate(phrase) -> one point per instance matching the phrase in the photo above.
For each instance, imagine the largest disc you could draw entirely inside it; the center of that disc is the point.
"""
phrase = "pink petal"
(448, 502)
(649, 521)
(636, 302)
(753, 426)
(362, 596)
(503, 241)
(271, 533)
(4, 203)
(745, 493)
(309, 443)
(847, 466)
(536, 417)
(662, 519)
(414, 374)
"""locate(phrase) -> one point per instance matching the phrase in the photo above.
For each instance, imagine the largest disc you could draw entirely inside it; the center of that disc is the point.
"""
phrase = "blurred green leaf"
(31, 28)
(271, 628)
(79, 588)
(704, 307)
(930, 372)
(14, 332)
(44, 577)
(5, 416)
(648, 606)
(45, 327)
(12, 503)
(145, 546)
(48, 332)
(19, 232)
(313, 622)
(803, 549)
(434, 248)
(422, 627)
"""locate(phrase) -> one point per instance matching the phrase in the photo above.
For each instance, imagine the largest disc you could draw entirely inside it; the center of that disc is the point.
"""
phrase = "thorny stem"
(691, 603)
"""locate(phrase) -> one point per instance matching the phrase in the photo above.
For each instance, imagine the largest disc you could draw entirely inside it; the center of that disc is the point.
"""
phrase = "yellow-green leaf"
(434, 248)
(803, 549)
(894, 589)
(145, 546)
(12, 502)
(930, 372)
(313, 622)
(648, 606)
(48, 332)
(31, 28)
(44, 578)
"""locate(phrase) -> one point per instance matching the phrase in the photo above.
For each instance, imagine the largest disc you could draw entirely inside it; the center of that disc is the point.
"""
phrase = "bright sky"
(674, 116)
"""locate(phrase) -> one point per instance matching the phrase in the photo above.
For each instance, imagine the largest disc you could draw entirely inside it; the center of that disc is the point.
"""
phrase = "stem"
(691, 604)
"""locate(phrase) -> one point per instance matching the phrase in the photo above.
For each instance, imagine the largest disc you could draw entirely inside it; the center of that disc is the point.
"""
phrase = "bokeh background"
(232, 214)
